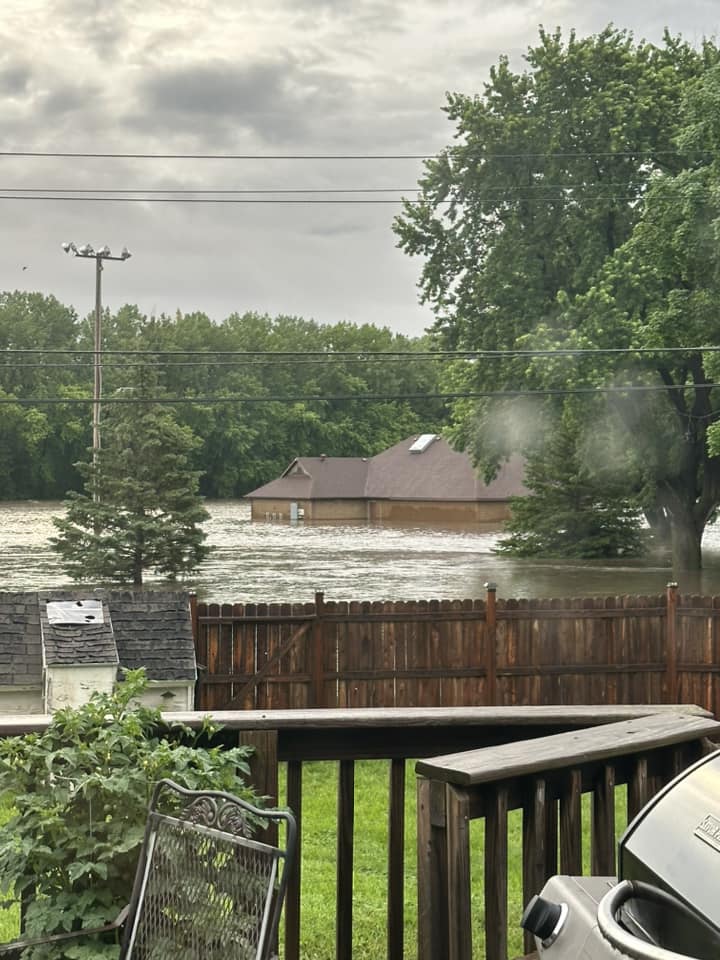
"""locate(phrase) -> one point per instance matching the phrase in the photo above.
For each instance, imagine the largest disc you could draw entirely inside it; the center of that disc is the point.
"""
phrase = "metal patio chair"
(205, 888)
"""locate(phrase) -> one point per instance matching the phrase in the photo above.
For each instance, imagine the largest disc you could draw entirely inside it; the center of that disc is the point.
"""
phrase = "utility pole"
(88, 253)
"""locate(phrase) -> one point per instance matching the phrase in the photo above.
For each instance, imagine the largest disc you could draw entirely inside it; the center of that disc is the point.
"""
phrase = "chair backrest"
(205, 888)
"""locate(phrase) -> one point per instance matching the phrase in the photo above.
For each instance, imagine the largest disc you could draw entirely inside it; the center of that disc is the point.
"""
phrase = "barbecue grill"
(665, 903)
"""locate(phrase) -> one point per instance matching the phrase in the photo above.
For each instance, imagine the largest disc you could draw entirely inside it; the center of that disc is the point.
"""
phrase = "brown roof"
(318, 478)
(436, 473)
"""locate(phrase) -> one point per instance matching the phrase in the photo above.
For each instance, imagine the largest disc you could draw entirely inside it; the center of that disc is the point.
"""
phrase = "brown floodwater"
(278, 562)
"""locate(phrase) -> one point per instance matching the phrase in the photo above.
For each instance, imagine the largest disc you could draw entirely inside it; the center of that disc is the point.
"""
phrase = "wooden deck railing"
(546, 779)
(393, 736)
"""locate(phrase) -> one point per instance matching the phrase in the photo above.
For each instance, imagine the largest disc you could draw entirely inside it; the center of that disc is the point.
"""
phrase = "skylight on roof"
(75, 611)
(423, 442)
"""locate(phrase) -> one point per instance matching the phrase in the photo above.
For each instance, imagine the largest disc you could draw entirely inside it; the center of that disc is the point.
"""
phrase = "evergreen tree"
(141, 510)
(574, 509)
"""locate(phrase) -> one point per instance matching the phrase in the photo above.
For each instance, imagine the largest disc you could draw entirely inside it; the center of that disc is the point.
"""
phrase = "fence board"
(470, 652)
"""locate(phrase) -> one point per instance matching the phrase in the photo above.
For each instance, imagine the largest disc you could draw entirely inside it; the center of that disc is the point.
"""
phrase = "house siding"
(439, 511)
(73, 685)
(317, 511)
(386, 511)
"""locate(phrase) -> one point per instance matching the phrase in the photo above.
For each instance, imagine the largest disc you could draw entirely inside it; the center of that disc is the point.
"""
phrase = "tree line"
(188, 357)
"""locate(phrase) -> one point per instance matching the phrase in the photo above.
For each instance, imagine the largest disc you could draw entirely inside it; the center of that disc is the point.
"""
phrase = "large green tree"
(549, 180)
(658, 297)
(141, 510)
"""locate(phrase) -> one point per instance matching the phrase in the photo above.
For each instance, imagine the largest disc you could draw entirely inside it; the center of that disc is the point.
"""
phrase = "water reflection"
(274, 562)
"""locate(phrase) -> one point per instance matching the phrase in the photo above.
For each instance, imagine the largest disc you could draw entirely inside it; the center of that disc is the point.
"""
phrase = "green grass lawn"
(370, 874)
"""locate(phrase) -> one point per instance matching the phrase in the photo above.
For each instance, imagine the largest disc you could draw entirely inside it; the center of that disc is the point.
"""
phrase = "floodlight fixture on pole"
(87, 252)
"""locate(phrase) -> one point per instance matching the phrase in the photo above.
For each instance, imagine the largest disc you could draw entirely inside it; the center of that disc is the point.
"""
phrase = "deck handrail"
(542, 777)
(394, 736)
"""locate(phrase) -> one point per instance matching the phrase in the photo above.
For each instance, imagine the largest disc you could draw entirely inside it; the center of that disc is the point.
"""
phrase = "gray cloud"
(278, 101)
(14, 79)
(100, 27)
(344, 228)
(64, 99)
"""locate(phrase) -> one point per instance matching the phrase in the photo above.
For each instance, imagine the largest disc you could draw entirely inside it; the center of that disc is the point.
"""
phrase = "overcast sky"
(253, 77)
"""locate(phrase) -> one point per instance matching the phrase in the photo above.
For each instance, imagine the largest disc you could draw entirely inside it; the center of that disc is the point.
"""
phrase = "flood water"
(278, 562)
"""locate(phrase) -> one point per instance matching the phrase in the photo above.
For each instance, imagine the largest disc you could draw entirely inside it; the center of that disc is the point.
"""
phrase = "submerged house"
(57, 647)
(421, 480)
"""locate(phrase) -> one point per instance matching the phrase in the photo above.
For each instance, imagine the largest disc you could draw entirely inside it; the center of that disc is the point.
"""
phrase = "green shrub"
(81, 791)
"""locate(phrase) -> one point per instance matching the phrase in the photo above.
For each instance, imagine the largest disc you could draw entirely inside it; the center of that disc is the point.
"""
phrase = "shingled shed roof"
(80, 644)
(153, 630)
(20, 645)
(149, 629)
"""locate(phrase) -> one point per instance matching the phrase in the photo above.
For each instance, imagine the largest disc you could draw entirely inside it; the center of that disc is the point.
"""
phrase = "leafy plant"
(81, 791)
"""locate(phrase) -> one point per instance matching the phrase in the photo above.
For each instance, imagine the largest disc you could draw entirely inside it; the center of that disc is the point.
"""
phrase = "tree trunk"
(686, 541)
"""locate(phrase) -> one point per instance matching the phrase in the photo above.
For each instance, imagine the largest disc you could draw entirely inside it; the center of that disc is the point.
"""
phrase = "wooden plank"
(263, 769)
(637, 788)
(279, 652)
(344, 875)
(491, 688)
(292, 896)
(459, 945)
(396, 862)
(534, 854)
(496, 879)
(571, 824)
(431, 870)
(564, 749)
(318, 679)
(602, 824)
(396, 717)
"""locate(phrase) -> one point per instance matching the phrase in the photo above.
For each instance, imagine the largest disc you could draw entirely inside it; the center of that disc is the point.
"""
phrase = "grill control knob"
(544, 919)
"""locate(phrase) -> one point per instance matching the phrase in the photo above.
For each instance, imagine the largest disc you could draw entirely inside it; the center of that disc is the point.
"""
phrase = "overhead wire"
(366, 397)
(363, 356)
(565, 155)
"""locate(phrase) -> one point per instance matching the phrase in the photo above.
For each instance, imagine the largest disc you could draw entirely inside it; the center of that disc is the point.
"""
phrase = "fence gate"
(254, 656)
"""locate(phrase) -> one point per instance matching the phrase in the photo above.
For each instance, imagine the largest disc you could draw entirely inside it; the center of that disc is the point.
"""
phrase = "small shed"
(57, 647)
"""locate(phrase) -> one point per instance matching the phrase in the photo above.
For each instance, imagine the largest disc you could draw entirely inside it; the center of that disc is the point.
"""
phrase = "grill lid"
(674, 842)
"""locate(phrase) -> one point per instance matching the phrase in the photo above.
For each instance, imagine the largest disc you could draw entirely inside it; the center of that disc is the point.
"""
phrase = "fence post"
(318, 674)
(671, 645)
(491, 645)
(194, 616)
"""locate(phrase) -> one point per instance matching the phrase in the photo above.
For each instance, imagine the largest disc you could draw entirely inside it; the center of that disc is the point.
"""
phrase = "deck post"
(491, 644)
(671, 645)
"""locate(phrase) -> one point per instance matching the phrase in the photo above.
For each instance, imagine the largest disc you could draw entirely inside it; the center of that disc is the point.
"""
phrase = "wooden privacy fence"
(445, 653)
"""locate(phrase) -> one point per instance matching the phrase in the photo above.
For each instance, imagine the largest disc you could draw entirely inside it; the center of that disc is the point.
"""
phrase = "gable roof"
(436, 472)
(318, 478)
(78, 644)
(150, 629)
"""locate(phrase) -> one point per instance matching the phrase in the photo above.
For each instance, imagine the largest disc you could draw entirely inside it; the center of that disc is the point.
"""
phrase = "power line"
(365, 397)
(214, 156)
(193, 190)
(363, 356)
(188, 200)
(583, 200)
(562, 155)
